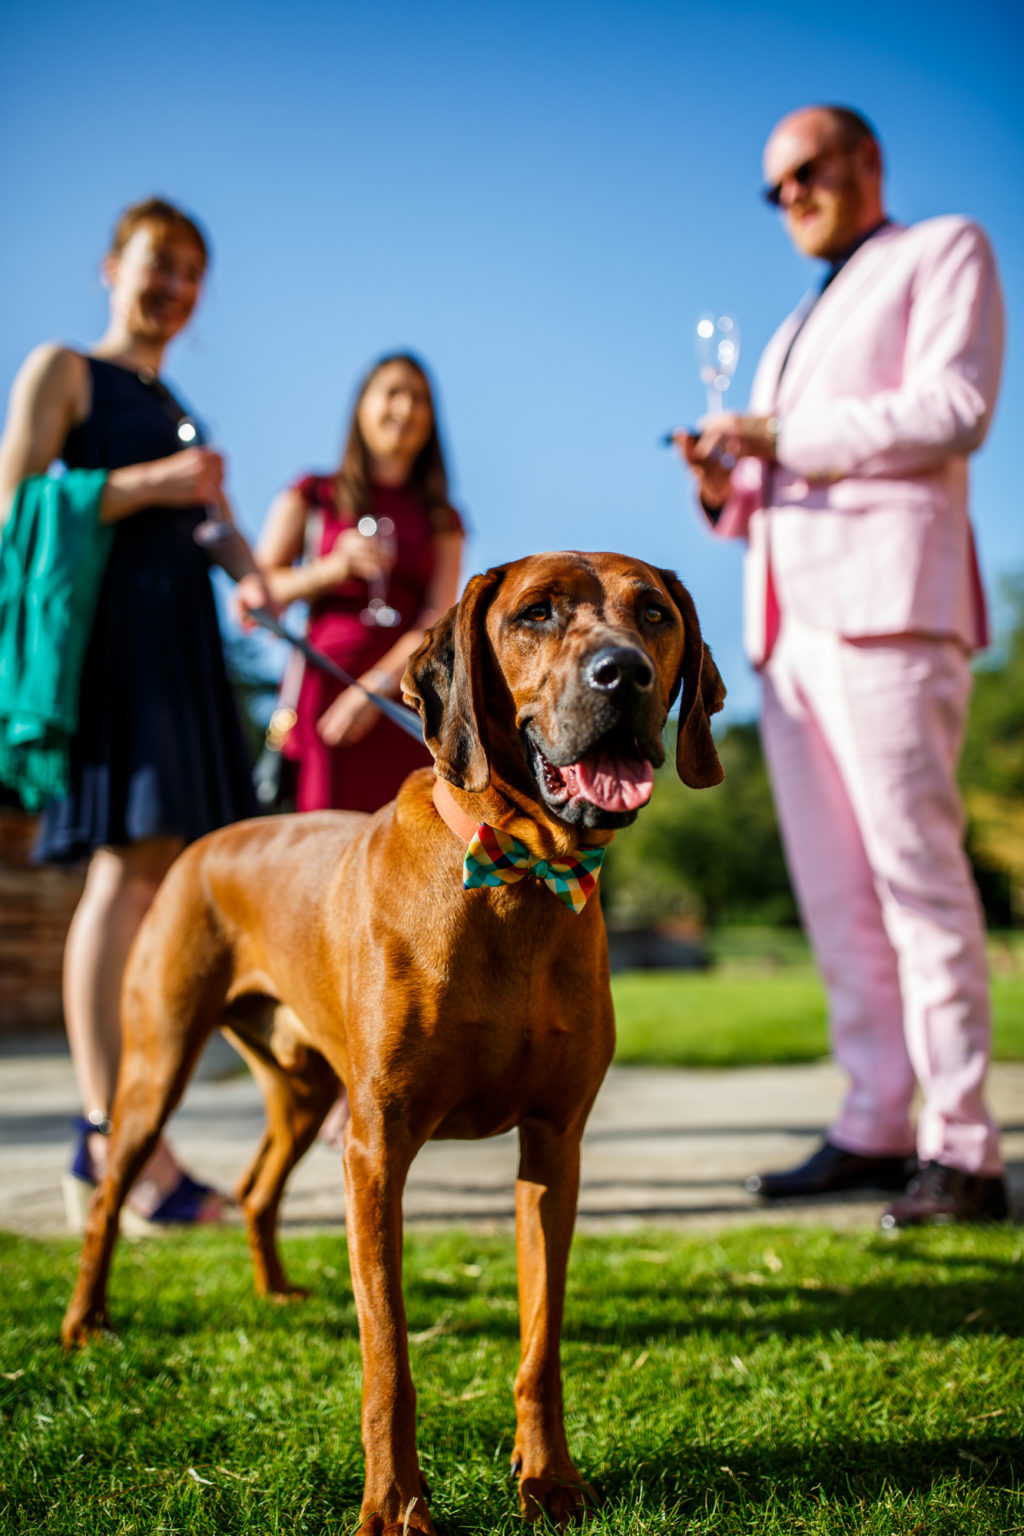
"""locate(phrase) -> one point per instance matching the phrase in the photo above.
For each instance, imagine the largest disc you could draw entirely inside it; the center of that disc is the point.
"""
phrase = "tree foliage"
(711, 854)
(992, 770)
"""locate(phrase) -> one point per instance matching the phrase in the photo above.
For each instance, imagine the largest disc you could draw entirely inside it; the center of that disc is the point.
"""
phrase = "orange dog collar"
(495, 858)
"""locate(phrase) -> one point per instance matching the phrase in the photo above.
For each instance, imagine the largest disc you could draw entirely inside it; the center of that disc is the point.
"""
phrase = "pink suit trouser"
(862, 739)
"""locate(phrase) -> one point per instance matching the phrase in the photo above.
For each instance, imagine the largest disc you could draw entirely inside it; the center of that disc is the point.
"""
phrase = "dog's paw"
(412, 1527)
(415, 1522)
(563, 1498)
(403, 1515)
(280, 1295)
(78, 1330)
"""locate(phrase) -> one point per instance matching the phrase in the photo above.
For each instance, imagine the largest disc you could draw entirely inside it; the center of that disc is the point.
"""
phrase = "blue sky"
(540, 199)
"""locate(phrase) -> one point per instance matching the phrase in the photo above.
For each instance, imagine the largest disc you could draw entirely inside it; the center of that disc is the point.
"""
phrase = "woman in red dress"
(402, 569)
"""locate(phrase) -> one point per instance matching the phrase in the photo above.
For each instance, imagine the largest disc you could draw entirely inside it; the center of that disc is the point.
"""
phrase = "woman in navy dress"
(159, 756)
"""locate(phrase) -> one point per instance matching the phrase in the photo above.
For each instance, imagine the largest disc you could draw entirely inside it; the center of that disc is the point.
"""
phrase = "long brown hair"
(428, 478)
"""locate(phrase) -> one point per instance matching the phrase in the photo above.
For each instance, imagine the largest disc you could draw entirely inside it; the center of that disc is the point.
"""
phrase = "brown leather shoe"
(941, 1194)
(830, 1170)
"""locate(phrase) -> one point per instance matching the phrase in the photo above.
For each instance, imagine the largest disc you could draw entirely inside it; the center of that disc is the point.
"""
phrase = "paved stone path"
(661, 1147)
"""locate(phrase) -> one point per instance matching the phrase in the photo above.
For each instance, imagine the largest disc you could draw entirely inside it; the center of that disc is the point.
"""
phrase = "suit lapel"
(824, 326)
(765, 387)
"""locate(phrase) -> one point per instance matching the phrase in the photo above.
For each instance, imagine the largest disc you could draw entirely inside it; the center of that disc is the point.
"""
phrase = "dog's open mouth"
(605, 777)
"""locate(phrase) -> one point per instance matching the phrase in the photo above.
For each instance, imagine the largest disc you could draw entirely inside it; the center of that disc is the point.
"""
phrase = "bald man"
(848, 480)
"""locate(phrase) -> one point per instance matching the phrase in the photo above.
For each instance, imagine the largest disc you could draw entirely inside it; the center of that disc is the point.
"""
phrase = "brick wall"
(36, 903)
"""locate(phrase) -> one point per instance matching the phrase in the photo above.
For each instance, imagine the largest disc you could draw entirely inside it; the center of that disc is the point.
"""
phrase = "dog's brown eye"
(653, 614)
(537, 613)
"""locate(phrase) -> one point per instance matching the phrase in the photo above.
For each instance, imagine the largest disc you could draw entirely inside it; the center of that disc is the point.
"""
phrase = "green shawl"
(53, 552)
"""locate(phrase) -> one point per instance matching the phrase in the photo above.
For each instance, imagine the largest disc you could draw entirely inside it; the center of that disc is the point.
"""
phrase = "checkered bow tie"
(498, 858)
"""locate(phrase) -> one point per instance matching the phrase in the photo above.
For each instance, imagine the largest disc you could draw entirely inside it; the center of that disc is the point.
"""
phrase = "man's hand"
(729, 436)
(713, 478)
(723, 440)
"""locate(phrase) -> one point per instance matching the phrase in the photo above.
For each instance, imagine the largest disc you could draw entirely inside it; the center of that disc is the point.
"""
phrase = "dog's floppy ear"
(444, 681)
(703, 694)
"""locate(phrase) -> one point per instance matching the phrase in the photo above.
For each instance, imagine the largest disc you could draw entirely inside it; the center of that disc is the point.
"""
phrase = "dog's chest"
(529, 1054)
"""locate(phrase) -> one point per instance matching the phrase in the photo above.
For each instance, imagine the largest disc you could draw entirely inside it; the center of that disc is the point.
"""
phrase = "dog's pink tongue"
(613, 783)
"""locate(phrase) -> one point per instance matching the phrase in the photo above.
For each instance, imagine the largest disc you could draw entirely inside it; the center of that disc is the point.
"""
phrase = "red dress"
(368, 773)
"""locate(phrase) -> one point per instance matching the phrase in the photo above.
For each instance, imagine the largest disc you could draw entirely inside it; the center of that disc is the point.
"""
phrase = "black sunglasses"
(805, 174)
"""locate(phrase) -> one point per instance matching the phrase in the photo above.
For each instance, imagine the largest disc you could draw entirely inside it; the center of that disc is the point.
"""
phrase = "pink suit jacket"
(890, 385)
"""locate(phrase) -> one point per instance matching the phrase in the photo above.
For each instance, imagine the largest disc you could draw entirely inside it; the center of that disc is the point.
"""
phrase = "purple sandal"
(181, 1206)
(183, 1203)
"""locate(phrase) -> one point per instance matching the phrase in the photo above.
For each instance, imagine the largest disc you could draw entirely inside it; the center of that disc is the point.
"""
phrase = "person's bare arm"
(352, 714)
(441, 594)
(282, 542)
(444, 585)
(50, 395)
(195, 476)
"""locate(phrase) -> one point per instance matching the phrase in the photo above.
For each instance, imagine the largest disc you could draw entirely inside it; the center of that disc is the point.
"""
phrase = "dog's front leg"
(546, 1192)
(393, 1497)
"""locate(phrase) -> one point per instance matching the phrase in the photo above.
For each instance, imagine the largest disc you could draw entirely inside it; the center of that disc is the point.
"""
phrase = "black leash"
(222, 543)
(406, 719)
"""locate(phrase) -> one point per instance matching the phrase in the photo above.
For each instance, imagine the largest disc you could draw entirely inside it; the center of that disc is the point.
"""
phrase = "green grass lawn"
(753, 1384)
(763, 1002)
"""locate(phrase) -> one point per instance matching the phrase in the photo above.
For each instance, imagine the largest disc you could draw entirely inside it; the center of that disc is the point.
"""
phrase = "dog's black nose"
(618, 667)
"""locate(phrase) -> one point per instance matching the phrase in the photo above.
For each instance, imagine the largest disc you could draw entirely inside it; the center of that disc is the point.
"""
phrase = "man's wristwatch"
(773, 426)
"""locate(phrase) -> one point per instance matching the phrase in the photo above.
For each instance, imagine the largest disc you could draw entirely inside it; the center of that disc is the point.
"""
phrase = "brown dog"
(343, 947)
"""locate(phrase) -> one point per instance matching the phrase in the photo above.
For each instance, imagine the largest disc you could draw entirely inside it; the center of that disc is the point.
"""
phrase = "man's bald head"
(823, 166)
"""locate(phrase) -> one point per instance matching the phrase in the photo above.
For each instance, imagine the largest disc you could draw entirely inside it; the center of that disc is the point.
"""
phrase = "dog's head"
(556, 674)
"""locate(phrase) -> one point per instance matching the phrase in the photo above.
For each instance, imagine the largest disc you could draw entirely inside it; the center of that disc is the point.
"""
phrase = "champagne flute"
(215, 528)
(378, 611)
(718, 352)
(215, 534)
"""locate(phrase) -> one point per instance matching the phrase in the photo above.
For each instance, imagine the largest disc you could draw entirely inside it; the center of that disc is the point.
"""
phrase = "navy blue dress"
(159, 750)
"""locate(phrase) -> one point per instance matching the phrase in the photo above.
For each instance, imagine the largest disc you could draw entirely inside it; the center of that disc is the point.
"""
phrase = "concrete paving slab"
(663, 1146)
